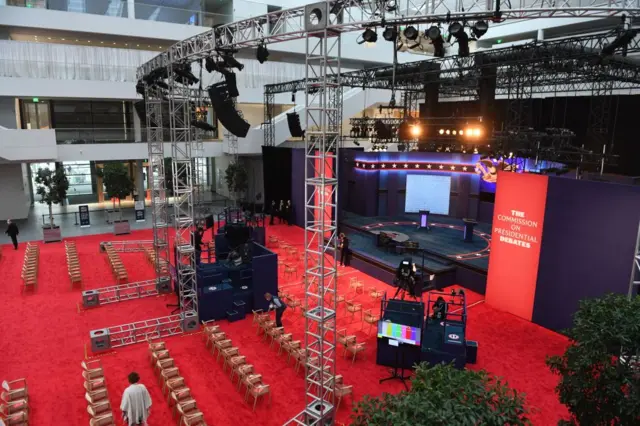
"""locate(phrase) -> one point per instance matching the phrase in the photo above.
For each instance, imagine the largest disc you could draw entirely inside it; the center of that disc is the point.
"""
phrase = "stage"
(443, 243)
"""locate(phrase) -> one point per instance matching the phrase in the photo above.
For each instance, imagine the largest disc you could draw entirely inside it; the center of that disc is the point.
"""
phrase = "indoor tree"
(237, 179)
(117, 182)
(52, 186)
(444, 395)
(599, 371)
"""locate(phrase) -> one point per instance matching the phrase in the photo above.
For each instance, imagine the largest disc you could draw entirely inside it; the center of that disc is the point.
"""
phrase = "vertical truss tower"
(180, 106)
(269, 125)
(323, 123)
(159, 207)
(634, 285)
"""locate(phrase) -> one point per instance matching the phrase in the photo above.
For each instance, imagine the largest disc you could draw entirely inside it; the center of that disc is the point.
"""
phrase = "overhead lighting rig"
(368, 36)
(262, 54)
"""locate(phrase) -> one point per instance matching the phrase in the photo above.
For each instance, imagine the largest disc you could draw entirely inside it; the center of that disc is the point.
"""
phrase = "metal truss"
(128, 246)
(182, 163)
(323, 123)
(268, 126)
(120, 293)
(571, 65)
(354, 15)
(159, 202)
(599, 115)
(141, 331)
(519, 100)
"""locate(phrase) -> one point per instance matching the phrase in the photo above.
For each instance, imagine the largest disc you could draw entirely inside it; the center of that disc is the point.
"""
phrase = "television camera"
(406, 280)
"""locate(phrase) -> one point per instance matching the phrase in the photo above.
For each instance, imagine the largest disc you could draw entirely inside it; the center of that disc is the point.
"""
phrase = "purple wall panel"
(588, 245)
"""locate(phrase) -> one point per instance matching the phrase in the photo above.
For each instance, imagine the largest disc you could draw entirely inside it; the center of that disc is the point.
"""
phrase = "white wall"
(15, 197)
(78, 89)
(28, 145)
(44, 19)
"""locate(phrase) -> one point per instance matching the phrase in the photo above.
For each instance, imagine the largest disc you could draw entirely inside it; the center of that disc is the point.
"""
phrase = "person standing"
(136, 402)
(278, 305)
(197, 244)
(273, 212)
(344, 250)
(289, 212)
(281, 212)
(12, 231)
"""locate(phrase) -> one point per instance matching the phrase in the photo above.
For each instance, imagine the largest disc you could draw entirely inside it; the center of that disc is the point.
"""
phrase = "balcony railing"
(66, 70)
(90, 136)
(119, 8)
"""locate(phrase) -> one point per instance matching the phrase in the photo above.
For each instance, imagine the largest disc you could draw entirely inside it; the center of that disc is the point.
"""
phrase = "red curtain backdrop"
(516, 236)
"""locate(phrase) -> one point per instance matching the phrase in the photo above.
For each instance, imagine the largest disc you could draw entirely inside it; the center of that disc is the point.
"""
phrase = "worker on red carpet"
(278, 305)
(12, 231)
(136, 402)
(344, 250)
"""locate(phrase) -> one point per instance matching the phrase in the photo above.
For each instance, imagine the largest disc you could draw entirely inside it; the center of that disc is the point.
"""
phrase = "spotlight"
(416, 130)
(210, 64)
(203, 126)
(477, 132)
(390, 33)
(463, 44)
(469, 132)
(369, 36)
(453, 132)
(262, 54)
(184, 75)
(448, 132)
(441, 131)
(480, 28)
(356, 143)
(391, 5)
(461, 132)
(231, 62)
(433, 33)
(411, 33)
(456, 29)
(438, 47)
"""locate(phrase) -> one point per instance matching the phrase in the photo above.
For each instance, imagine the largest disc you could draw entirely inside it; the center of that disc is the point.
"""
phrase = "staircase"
(353, 101)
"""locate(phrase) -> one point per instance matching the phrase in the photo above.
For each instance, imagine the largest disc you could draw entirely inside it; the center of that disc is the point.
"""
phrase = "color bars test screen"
(399, 332)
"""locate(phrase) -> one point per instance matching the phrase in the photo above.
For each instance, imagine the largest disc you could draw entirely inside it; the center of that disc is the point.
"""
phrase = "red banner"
(516, 236)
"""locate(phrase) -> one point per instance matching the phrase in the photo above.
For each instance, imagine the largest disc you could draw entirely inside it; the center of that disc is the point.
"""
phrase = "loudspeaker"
(100, 340)
(190, 322)
(293, 119)
(226, 111)
(472, 351)
(208, 222)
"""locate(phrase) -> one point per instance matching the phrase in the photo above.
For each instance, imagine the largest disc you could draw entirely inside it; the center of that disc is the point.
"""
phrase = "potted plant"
(443, 395)
(600, 369)
(118, 185)
(52, 186)
(237, 180)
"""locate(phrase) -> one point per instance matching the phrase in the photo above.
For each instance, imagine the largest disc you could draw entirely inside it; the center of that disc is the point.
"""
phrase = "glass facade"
(79, 176)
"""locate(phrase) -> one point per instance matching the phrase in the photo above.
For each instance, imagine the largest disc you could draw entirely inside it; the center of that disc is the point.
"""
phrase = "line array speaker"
(226, 111)
(293, 119)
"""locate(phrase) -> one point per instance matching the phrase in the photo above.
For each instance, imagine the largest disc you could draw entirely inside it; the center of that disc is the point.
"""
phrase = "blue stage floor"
(443, 242)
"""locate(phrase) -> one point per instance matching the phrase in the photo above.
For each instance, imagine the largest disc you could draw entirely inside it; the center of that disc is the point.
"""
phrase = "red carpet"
(43, 338)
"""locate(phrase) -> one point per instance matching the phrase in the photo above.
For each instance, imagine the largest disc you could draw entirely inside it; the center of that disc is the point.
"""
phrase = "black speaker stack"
(226, 112)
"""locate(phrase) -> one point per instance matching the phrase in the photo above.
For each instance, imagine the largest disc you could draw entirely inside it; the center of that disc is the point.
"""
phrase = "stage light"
(480, 28)
(411, 33)
(438, 47)
(477, 132)
(416, 130)
(390, 33)
(210, 64)
(463, 44)
(391, 5)
(231, 62)
(469, 132)
(456, 29)
(475, 150)
(454, 133)
(441, 131)
(448, 132)
(433, 33)
(461, 132)
(262, 53)
(368, 36)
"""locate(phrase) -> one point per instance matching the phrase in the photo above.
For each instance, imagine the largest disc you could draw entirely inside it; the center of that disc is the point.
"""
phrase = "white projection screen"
(427, 192)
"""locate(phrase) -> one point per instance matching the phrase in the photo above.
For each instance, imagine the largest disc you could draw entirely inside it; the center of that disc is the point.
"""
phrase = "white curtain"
(255, 75)
(66, 62)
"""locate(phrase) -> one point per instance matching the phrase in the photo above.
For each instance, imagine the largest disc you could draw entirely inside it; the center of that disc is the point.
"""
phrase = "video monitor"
(399, 332)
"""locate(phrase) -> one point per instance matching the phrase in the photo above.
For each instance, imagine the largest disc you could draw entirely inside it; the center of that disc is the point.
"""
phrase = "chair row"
(30, 267)
(73, 263)
(96, 394)
(222, 347)
(150, 254)
(294, 351)
(14, 410)
(174, 388)
(117, 267)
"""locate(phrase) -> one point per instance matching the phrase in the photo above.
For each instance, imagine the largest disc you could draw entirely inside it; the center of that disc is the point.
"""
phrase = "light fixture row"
(468, 132)
(77, 40)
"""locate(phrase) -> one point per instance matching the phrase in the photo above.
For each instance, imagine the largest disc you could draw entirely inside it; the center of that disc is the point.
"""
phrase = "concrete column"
(131, 9)
(137, 128)
(140, 180)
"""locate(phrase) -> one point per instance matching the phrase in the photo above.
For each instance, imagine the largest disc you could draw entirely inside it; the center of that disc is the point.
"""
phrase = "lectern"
(424, 219)
(469, 224)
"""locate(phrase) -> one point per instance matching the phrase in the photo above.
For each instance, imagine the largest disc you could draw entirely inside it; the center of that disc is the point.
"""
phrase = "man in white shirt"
(136, 402)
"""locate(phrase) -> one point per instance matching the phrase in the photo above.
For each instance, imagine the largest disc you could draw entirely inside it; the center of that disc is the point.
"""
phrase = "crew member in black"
(344, 250)
(273, 212)
(12, 232)
(281, 212)
(197, 243)
(439, 309)
(289, 213)
(278, 305)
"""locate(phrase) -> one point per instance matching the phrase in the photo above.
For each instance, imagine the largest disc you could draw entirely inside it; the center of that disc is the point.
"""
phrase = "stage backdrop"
(556, 241)
(277, 164)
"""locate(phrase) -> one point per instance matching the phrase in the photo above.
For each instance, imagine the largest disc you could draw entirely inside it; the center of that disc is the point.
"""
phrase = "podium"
(215, 301)
(469, 224)
(424, 219)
